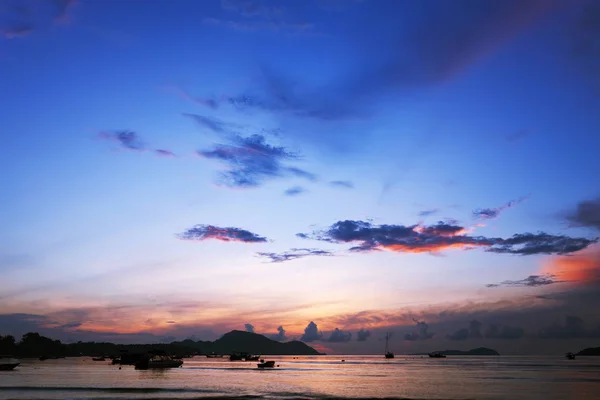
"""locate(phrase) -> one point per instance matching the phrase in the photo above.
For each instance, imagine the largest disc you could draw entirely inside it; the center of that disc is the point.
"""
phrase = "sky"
(325, 171)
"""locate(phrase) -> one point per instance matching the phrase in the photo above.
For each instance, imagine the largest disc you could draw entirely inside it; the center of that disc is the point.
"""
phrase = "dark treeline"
(34, 345)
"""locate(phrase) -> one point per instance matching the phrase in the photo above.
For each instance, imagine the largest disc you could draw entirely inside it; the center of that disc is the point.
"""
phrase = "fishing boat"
(436, 354)
(266, 364)
(213, 355)
(388, 354)
(98, 359)
(158, 360)
(8, 363)
(570, 356)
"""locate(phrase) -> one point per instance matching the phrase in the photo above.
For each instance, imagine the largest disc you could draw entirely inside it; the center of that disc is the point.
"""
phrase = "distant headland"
(34, 345)
(480, 351)
(590, 351)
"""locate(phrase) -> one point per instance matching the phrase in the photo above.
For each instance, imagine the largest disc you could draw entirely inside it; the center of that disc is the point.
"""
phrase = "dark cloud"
(530, 281)
(342, 184)
(491, 213)
(587, 214)
(311, 333)
(363, 335)
(573, 327)
(339, 336)
(251, 161)
(171, 322)
(428, 213)
(439, 237)
(461, 334)
(422, 332)
(506, 332)
(472, 332)
(126, 139)
(249, 328)
(280, 335)
(300, 173)
(205, 232)
(540, 243)
(293, 254)
(295, 191)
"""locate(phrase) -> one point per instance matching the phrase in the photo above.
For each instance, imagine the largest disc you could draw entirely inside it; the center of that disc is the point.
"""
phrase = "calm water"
(318, 377)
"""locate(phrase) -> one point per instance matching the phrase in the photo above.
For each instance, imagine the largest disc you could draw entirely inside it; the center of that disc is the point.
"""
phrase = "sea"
(313, 377)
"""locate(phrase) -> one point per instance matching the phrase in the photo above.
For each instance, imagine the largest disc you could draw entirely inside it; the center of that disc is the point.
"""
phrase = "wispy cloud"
(440, 237)
(130, 140)
(211, 123)
(19, 19)
(251, 161)
(530, 281)
(205, 232)
(294, 254)
(454, 36)
(491, 213)
(342, 184)
(428, 213)
(295, 191)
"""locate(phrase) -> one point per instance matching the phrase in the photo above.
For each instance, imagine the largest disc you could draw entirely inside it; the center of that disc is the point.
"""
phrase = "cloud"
(430, 44)
(164, 153)
(126, 139)
(249, 328)
(582, 267)
(540, 243)
(339, 336)
(311, 333)
(280, 335)
(506, 332)
(19, 19)
(492, 213)
(256, 15)
(293, 254)
(211, 123)
(587, 214)
(362, 335)
(530, 281)
(229, 234)
(130, 140)
(440, 237)
(428, 213)
(295, 191)
(251, 161)
(421, 333)
(342, 184)
(573, 327)
(472, 332)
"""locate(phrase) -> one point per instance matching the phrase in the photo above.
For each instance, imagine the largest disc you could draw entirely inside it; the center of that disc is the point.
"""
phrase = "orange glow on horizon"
(582, 267)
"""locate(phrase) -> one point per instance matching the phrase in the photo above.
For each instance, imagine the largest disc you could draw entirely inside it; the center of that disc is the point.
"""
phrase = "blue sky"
(161, 157)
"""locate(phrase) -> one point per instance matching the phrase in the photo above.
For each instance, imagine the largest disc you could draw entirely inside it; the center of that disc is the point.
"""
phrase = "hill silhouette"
(590, 351)
(34, 345)
(480, 351)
